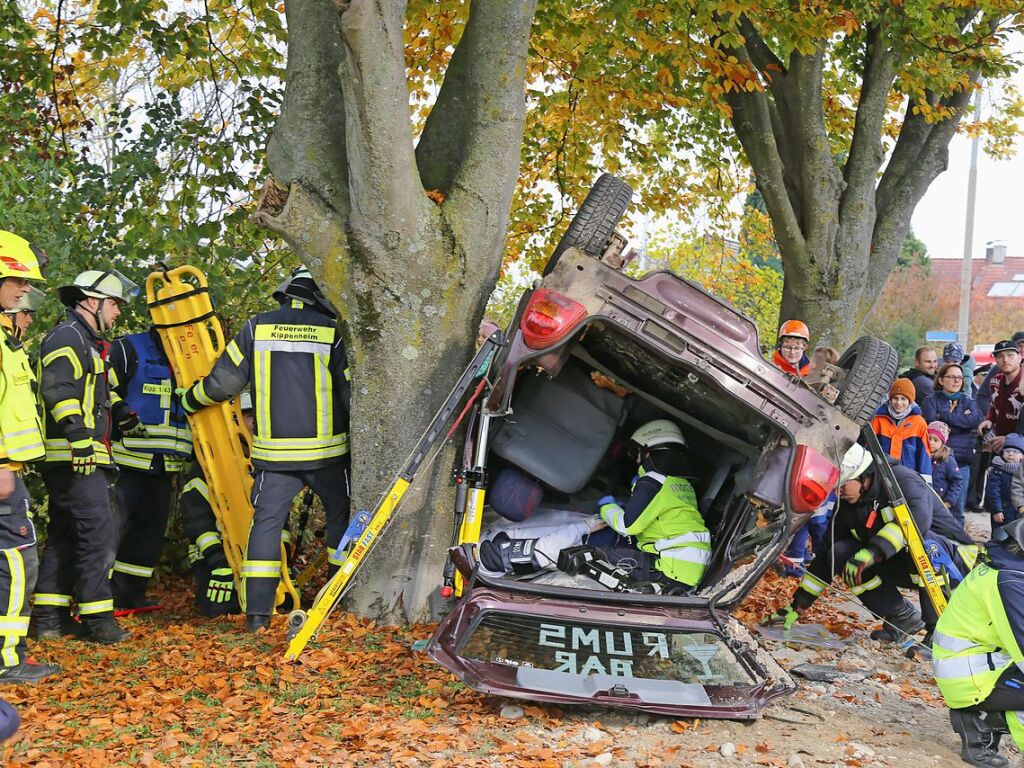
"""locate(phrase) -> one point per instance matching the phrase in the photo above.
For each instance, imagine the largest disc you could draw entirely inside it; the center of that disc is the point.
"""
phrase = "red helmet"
(795, 328)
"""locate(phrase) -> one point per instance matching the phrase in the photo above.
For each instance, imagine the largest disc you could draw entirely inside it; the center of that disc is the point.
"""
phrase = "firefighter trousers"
(880, 589)
(272, 495)
(19, 566)
(80, 544)
(143, 506)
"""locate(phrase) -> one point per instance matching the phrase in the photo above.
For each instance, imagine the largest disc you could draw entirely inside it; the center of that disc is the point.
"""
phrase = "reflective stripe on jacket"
(21, 430)
(668, 525)
(295, 364)
(76, 387)
(147, 384)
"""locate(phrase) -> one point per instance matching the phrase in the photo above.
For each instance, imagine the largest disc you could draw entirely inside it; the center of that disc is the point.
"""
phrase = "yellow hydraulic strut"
(915, 544)
(182, 312)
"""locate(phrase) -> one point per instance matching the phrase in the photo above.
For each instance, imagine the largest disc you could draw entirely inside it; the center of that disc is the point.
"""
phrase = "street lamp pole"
(972, 185)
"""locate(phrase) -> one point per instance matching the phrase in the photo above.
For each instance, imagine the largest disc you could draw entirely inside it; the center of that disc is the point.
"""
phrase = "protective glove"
(787, 616)
(853, 572)
(221, 586)
(130, 425)
(187, 401)
(83, 457)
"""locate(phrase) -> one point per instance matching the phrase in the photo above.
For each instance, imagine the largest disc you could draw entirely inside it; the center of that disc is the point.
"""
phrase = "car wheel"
(870, 366)
(592, 227)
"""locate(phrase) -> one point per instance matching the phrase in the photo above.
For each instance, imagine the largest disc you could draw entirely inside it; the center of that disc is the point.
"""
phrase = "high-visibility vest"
(150, 393)
(670, 527)
(973, 643)
(21, 429)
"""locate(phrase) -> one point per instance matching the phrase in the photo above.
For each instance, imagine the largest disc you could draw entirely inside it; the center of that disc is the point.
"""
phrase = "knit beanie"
(903, 387)
(940, 430)
(1013, 440)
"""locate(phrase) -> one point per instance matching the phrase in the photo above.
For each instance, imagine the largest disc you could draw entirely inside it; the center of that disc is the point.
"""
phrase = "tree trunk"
(410, 277)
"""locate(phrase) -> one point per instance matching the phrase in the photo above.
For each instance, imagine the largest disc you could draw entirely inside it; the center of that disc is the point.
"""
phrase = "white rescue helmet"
(98, 284)
(855, 463)
(658, 432)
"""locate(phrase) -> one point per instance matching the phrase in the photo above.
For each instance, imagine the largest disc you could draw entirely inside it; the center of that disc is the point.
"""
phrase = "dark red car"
(766, 450)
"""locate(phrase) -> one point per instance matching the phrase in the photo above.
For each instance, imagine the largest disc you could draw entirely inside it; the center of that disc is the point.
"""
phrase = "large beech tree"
(410, 271)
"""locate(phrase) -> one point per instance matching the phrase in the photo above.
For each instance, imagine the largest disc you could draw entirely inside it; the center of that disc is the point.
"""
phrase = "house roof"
(1005, 280)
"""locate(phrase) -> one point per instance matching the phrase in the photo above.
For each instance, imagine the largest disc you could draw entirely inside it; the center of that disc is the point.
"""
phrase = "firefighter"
(22, 315)
(147, 464)
(867, 546)
(78, 390)
(791, 349)
(215, 582)
(21, 441)
(978, 651)
(294, 362)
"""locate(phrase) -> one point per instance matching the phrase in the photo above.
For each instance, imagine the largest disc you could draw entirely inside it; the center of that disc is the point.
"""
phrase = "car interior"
(571, 434)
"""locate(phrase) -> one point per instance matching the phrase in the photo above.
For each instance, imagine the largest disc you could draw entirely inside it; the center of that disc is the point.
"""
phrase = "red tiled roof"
(984, 273)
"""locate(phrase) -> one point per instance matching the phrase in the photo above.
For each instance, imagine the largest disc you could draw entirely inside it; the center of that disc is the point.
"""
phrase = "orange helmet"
(795, 328)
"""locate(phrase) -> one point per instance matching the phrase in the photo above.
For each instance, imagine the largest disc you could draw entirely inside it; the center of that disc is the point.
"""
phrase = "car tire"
(870, 366)
(592, 227)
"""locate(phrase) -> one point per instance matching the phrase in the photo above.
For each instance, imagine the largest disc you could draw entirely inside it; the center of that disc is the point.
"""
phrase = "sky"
(999, 214)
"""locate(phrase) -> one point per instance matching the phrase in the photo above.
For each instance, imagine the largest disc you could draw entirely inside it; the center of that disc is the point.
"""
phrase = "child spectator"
(946, 479)
(998, 487)
(902, 431)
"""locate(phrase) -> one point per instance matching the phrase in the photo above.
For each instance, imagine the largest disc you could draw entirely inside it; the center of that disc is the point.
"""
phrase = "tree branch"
(308, 141)
(866, 155)
(761, 55)
(385, 193)
(478, 115)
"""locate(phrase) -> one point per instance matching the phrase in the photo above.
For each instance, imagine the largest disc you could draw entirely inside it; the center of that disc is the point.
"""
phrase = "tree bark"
(410, 277)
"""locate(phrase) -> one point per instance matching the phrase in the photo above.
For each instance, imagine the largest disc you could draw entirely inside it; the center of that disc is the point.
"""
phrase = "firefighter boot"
(255, 622)
(27, 672)
(900, 624)
(51, 623)
(105, 631)
(978, 743)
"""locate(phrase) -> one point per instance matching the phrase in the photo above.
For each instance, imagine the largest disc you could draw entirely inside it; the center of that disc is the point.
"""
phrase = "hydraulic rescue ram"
(915, 543)
(182, 312)
(303, 626)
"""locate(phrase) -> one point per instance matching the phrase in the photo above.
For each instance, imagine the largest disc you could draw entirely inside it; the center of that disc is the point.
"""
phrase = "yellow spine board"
(193, 340)
(469, 532)
(334, 589)
(915, 546)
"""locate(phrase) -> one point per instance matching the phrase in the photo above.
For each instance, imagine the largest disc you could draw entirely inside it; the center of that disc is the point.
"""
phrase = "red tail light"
(549, 317)
(813, 478)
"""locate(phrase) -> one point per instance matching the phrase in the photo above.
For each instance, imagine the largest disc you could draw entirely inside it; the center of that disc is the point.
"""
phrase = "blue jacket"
(997, 492)
(963, 417)
(946, 479)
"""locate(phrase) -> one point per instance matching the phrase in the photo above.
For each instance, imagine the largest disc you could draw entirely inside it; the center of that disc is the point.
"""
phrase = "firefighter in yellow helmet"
(78, 389)
(791, 350)
(22, 442)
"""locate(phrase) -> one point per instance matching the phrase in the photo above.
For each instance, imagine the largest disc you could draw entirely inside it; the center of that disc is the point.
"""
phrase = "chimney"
(995, 252)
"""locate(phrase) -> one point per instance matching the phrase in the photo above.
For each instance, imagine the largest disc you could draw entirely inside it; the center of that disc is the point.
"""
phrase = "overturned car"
(591, 356)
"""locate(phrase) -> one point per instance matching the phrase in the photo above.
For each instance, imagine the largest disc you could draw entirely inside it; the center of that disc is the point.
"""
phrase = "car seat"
(559, 427)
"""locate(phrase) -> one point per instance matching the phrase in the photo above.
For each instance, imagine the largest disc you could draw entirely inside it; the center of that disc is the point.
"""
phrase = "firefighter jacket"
(662, 514)
(294, 361)
(76, 387)
(981, 632)
(146, 383)
(21, 431)
(199, 522)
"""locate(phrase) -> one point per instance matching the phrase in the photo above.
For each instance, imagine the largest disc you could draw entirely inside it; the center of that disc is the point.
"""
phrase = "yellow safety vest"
(20, 427)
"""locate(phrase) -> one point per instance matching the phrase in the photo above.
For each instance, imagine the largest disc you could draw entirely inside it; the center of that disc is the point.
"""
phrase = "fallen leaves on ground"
(187, 691)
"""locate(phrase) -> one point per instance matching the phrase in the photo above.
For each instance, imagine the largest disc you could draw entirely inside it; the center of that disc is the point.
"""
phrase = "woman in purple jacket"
(962, 415)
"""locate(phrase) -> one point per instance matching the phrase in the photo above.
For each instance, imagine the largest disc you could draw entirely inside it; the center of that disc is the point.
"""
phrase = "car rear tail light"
(813, 478)
(549, 318)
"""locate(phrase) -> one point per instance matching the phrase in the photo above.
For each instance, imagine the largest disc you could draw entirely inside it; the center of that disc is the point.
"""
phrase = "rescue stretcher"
(183, 315)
